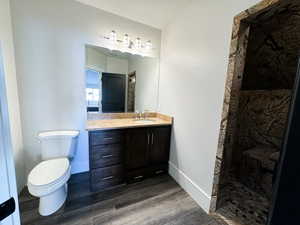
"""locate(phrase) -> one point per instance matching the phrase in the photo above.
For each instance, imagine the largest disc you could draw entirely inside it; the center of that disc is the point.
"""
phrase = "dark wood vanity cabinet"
(128, 155)
(137, 148)
(147, 152)
(106, 158)
(160, 145)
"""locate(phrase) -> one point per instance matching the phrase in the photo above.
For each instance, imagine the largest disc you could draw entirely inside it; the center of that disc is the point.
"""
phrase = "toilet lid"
(48, 171)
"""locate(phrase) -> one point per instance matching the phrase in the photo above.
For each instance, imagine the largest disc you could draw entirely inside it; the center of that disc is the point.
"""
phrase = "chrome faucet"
(141, 115)
(138, 115)
(145, 114)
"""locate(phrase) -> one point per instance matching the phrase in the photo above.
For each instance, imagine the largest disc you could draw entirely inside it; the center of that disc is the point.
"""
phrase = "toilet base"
(51, 203)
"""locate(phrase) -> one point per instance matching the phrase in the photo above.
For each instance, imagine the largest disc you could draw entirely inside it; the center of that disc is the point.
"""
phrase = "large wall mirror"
(119, 82)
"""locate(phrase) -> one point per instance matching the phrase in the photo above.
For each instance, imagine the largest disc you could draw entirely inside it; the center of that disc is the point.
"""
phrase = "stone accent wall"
(261, 125)
(262, 119)
(264, 10)
(273, 50)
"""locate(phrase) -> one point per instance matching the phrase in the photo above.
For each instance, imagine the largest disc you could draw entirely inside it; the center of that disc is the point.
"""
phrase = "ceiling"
(155, 13)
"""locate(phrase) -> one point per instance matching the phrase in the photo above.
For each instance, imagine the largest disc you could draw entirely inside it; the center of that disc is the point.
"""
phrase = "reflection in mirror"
(120, 82)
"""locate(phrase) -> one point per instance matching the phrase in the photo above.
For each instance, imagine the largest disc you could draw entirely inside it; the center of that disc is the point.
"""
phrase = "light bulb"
(148, 45)
(138, 43)
(113, 36)
(126, 40)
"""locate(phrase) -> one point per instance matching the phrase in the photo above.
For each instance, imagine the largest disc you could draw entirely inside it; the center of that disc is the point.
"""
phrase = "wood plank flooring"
(155, 201)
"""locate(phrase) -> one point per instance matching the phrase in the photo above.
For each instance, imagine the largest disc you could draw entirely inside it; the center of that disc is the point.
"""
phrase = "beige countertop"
(119, 123)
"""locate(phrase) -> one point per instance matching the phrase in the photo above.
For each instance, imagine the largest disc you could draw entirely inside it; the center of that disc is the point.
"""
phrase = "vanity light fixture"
(128, 45)
(126, 40)
(148, 45)
(113, 36)
(138, 43)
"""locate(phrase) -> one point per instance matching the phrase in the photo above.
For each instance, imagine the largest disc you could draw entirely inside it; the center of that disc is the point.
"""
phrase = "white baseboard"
(200, 196)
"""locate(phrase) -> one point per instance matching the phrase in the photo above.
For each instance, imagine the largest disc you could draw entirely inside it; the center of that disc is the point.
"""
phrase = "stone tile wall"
(273, 51)
(262, 119)
(261, 125)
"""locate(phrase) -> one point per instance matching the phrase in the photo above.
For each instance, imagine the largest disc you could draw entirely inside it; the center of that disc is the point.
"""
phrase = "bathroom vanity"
(124, 145)
(126, 150)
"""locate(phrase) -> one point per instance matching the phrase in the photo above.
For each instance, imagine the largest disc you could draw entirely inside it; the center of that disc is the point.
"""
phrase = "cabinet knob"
(107, 156)
(159, 171)
(138, 177)
(108, 178)
(108, 138)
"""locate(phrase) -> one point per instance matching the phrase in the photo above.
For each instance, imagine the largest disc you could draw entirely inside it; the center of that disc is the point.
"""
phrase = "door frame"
(235, 71)
(129, 77)
(6, 138)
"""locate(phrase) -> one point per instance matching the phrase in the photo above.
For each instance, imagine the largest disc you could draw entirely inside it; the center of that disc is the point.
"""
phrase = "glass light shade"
(148, 45)
(126, 40)
(138, 43)
(113, 36)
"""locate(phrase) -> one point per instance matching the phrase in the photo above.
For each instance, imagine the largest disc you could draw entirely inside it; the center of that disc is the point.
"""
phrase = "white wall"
(6, 41)
(147, 80)
(194, 58)
(98, 61)
(50, 38)
(95, 60)
(117, 65)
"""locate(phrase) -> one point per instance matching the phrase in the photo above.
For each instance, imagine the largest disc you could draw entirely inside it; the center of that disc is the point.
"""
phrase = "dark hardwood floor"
(155, 201)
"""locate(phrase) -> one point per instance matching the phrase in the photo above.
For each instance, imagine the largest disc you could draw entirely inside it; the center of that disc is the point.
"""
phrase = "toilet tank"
(59, 143)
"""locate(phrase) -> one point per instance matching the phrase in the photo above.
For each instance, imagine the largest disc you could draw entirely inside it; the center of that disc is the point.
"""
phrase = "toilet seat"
(48, 175)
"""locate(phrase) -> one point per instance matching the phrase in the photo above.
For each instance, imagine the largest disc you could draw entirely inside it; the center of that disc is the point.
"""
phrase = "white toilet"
(48, 180)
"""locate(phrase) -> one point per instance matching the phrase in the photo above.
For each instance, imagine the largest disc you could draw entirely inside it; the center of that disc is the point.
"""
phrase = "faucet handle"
(145, 112)
(137, 114)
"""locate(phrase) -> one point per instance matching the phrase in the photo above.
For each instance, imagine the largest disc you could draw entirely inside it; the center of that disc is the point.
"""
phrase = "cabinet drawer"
(107, 174)
(136, 175)
(107, 184)
(105, 137)
(105, 155)
(142, 173)
(157, 169)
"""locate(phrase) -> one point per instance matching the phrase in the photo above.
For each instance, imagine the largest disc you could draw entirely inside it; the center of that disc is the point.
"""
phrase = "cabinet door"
(160, 145)
(137, 148)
